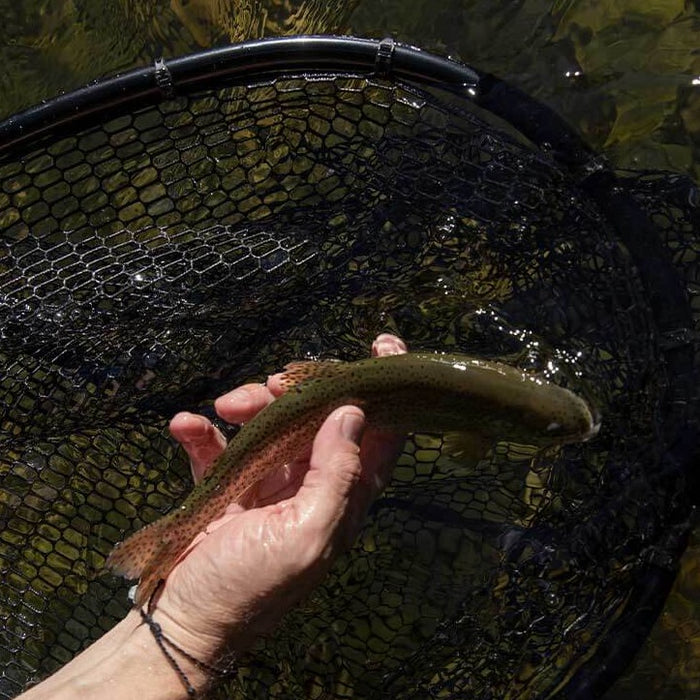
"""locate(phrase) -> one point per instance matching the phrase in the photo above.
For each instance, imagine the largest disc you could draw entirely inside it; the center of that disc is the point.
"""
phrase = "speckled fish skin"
(405, 393)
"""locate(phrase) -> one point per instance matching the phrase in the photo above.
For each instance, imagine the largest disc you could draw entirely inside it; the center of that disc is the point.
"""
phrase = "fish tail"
(148, 555)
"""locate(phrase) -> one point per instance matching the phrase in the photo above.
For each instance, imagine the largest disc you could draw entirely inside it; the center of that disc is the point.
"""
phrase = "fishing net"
(174, 232)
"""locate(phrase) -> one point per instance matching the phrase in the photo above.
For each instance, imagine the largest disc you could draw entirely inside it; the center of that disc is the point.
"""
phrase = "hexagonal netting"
(173, 232)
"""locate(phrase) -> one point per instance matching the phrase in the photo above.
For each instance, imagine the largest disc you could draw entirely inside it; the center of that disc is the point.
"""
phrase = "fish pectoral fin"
(296, 373)
(467, 445)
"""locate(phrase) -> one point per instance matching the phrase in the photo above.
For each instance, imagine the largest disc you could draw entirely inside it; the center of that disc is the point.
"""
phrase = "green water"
(622, 72)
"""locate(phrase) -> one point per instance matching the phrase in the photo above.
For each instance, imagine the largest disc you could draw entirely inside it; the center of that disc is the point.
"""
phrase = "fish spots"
(410, 392)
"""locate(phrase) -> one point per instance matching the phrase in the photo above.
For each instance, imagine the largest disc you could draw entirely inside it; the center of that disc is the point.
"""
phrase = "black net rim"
(238, 63)
(275, 57)
(255, 60)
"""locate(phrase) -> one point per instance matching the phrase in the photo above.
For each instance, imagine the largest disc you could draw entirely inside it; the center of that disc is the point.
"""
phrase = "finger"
(381, 449)
(274, 384)
(388, 344)
(384, 344)
(200, 439)
(334, 471)
(244, 402)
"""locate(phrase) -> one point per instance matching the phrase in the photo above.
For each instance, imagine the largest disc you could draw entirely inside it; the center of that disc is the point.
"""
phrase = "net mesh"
(151, 262)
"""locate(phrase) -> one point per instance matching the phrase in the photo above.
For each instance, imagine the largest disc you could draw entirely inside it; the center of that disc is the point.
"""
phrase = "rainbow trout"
(486, 401)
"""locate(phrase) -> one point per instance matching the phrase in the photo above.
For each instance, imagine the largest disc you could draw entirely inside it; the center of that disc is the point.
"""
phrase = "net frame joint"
(383, 63)
(164, 78)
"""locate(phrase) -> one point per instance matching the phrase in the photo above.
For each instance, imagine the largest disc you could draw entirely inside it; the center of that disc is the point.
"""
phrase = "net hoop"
(272, 58)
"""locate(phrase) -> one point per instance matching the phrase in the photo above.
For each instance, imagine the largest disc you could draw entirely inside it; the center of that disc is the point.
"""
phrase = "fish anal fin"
(130, 557)
(467, 445)
(295, 373)
(157, 570)
(149, 555)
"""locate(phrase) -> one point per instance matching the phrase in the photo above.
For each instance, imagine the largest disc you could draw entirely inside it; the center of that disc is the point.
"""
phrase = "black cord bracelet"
(166, 644)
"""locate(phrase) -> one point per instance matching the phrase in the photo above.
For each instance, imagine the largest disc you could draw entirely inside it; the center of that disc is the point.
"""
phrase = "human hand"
(255, 563)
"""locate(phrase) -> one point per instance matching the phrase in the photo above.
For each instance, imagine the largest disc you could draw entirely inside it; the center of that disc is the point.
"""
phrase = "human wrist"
(193, 671)
(125, 663)
(211, 624)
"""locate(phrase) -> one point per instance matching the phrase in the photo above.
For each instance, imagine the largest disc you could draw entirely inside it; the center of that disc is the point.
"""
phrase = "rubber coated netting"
(152, 262)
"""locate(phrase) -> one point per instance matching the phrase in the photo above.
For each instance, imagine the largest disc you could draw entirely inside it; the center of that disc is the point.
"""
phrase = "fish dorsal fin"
(296, 373)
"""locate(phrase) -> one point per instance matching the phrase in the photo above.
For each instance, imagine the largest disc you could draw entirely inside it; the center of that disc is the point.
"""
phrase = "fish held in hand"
(481, 400)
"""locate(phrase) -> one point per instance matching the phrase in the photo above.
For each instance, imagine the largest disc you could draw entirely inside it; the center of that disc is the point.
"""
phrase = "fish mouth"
(595, 428)
(596, 420)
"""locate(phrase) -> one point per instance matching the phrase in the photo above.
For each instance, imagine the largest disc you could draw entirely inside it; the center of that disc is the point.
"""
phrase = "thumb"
(334, 471)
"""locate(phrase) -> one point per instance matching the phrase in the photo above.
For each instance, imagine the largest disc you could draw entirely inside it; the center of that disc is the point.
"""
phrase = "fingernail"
(240, 397)
(387, 344)
(195, 423)
(352, 424)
